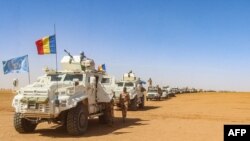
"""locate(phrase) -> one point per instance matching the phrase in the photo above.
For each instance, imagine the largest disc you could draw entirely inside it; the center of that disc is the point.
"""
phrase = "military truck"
(68, 97)
(134, 88)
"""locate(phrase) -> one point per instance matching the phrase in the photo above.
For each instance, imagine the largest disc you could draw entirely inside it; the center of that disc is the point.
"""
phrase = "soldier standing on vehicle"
(124, 101)
(150, 82)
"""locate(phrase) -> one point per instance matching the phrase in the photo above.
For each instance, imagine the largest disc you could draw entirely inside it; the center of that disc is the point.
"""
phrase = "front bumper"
(153, 97)
(38, 115)
(34, 110)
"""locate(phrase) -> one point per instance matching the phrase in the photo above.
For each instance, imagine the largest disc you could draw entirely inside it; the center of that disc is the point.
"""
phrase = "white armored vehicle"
(134, 88)
(68, 97)
(165, 92)
(153, 94)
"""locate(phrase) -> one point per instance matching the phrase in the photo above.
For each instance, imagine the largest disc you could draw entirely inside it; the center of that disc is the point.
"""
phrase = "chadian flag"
(46, 45)
(102, 68)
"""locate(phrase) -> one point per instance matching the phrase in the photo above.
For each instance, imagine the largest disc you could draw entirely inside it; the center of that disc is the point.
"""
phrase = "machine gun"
(71, 57)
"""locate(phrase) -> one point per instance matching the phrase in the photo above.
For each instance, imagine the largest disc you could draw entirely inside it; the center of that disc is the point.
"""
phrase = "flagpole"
(28, 68)
(56, 60)
(55, 46)
(56, 100)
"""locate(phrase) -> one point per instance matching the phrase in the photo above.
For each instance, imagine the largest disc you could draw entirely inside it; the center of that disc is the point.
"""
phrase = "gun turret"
(77, 63)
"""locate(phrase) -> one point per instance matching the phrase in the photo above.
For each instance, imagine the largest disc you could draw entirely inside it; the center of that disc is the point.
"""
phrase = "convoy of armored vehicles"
(71, 96)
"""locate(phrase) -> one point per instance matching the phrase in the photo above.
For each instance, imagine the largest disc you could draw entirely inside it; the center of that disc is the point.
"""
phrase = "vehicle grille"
(151, 95)
(34, 108)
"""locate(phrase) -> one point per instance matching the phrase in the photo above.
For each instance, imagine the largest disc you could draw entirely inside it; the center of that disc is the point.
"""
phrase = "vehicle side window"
(105, 80)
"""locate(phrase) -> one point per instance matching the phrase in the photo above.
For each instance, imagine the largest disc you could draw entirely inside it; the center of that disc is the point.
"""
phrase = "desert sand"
(186, 117)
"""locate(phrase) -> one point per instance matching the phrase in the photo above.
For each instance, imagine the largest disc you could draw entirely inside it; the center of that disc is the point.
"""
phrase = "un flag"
(16, 65)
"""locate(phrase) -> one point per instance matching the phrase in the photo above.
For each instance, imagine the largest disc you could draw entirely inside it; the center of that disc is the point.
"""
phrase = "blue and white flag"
(16, 65)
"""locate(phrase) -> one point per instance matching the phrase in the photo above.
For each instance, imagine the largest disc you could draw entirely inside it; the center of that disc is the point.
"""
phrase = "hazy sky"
(196, 43)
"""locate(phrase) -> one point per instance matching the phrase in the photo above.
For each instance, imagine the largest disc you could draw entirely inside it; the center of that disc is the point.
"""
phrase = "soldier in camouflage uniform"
(124, 101)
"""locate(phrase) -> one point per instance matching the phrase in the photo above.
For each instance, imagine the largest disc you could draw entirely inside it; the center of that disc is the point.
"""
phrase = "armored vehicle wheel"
(23, 125)
(141, 105)
(133, 104)
(77, 120)
(107, 116)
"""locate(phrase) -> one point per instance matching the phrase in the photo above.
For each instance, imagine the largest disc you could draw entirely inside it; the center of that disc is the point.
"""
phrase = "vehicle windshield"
(129, 84)
(55, 77)
(119, 84)
(67, 77)
(153, 90)
(71, 77)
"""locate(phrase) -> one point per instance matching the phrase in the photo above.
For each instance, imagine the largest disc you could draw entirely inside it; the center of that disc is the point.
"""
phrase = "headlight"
(70, 91)
(25, 106)
(63, 103)
(62, 93)
(16, 102)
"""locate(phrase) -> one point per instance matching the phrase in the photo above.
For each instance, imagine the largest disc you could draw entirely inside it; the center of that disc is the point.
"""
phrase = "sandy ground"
(186, 117)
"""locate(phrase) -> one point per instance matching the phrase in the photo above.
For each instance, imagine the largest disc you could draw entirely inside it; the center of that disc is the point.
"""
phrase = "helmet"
(82, 56)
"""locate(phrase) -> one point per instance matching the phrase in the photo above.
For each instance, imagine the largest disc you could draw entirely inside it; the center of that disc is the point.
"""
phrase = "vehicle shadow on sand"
(146, 108)
(94, 128)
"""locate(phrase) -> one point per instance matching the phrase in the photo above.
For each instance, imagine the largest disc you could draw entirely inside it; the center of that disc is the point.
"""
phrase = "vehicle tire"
(23, 125)
(77, 120)
(107, 116)
(133, 104)
(142, 104)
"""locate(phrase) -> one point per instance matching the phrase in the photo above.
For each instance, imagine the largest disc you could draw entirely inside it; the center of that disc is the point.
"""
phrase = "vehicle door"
(105, 89)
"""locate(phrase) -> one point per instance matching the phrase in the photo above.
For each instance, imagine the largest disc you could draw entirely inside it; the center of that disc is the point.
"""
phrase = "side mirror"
(15, 82)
